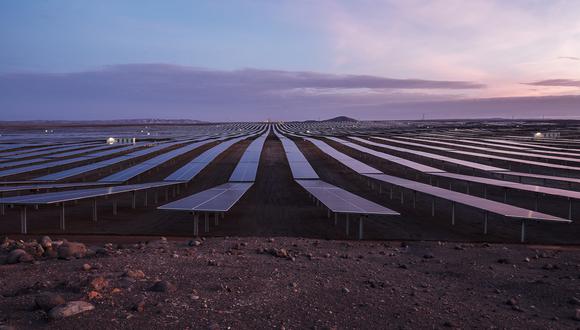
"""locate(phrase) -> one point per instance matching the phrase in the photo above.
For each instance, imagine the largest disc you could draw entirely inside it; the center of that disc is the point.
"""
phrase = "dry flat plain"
(276, 260)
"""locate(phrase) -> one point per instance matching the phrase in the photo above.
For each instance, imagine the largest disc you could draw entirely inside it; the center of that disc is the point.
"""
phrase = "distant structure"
(549, 135)
(113, 140)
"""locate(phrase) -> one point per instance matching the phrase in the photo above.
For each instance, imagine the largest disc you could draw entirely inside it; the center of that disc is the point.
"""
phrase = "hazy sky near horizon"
(252, 60)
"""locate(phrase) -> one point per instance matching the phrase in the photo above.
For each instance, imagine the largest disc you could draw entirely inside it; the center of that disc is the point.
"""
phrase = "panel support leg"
(62, 218)
(115, 207)
(134, 200)
(195, 224)
(95, 210)
(569, 208)
(145, 200)
(433, 207)
(485, 216)
(523, 232)
(347, 225)
(453, 213)
(360, 228)
(23, 220)
(335, 219)
(216, 219)
(155, 197)
(206, 222)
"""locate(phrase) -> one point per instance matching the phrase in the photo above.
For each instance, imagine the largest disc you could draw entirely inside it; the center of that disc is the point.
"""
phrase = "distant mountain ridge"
(111, 122)
(340, 118)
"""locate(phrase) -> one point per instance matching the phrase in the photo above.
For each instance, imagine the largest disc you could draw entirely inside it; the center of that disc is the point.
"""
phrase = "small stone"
(550, 267)
(18, 255)
(163, 286)
(504, 261)
(449, 324)
(527, 259)
(212, 262)
(87, 267)
(69, 250)
(46, 242)
(511, 302)
(94, 295)
(345, 290)
(69, 309)
(574, 301)
(47, 301)
(577, 315)
(428, 256)
(136, 274)
(139, 306)
(194, 243)
(327, 255)
(99, 283)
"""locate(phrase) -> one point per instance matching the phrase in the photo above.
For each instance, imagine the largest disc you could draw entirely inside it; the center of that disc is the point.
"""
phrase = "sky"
(289, 60)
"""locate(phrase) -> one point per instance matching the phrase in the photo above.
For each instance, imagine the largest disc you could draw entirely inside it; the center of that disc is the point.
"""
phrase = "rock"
(212, 263)
(527, 259)
(18, 255)
(69, 250)
(428, 255)
(139, 306)
(504, 261)
(512, 302)
(574, 301)
(70, 309)
(577, 315)
(46, 242)
(459, 247)
(86, 267)
(94, 295)
(163, 286)
(449, 324)
(194, 243)
(280, 253)
(550, 267)
(99, 283)
(48, 301)
(34, 249)
(136, 274)
(345, 290)
(50, 254)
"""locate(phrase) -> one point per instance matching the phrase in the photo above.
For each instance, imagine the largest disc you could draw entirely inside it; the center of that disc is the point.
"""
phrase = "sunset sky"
(289, 60)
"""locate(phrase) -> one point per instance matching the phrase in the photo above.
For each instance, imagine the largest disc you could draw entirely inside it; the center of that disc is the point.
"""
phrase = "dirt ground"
(250, 283)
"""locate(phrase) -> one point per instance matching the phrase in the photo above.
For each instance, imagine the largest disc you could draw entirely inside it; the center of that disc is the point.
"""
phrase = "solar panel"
(398, 160)
(433, 156)
(217, 199)
(489, 156)
(149, 164)
(247, 168)
(71, 195)
(469, 200)
(4, 189)
(339, 200)
(513, 185)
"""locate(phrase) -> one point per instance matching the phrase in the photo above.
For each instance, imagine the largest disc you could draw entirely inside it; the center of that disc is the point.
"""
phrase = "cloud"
(169, 91)
(556, 82)
(573, 58)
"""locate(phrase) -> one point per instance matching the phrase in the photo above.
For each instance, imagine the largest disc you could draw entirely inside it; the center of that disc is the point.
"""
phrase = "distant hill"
(341, 118)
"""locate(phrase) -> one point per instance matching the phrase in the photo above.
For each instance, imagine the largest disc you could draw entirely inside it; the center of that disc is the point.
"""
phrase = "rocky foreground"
(287, 283)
